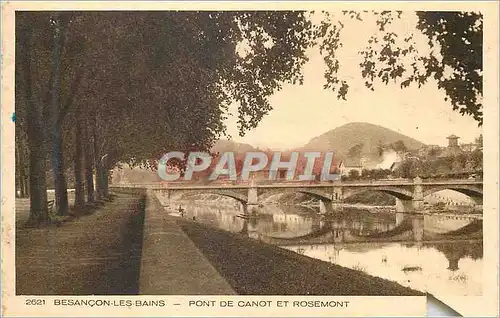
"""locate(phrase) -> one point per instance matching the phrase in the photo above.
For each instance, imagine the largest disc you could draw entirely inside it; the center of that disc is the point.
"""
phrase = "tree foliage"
(355, 151)
(190, 67)
(453, 61)
(399, 146)
(461, 165)
(354, 174)
(130, 86)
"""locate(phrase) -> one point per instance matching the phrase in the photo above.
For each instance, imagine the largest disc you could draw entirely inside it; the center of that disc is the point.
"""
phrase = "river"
(440, 254)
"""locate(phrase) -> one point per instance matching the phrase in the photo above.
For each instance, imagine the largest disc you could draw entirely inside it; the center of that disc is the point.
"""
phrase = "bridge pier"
(400, 216)
(418, 195)
(242, 208)
(417, 224)
(338, 235)
(244, 229)
(337, 198)
(165, 197)
(417, 227)
(409, 206)
(329, 207)
(252, 204)
(250, 209)
(252, 198)
(404, 206)
(477, 200)
(418, 205)
(323, 207)
(336, 206)
(316, 224)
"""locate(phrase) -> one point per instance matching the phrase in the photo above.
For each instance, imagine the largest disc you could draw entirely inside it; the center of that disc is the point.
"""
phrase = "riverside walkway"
(94, 254)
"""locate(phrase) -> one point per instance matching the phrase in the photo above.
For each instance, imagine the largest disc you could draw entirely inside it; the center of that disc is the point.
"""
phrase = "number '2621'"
(30, 302)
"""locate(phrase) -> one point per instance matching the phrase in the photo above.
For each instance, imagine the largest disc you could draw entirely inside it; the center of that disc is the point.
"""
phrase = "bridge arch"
(315, 193)
(399, 193)
(240, 197)
(471, 191)
(329, 232)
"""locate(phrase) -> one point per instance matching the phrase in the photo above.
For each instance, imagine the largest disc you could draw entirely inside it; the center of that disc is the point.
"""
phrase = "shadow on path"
(95, 254)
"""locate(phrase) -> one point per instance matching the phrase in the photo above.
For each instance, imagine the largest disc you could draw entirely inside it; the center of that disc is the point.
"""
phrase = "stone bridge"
(409, 194)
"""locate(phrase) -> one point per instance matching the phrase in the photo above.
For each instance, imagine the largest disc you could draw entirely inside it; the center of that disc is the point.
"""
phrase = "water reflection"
(420, 266)
(438, 254)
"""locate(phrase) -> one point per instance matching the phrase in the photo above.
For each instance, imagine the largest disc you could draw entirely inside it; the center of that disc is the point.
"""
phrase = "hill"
(369, 137)
(229, 145)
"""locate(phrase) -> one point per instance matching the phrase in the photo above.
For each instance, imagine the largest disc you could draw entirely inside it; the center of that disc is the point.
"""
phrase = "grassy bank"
(255, 268)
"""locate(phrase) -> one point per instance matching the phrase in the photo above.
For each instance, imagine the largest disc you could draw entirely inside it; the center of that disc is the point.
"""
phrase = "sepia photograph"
(311, 152)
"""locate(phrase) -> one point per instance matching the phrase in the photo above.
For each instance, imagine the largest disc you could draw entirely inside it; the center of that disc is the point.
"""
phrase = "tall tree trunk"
(78, 164)
(22, 187)
(105, 176)
(106, 183)
(18, 164)
(36, 136)
(89, 164)
(19, 187)
(24, 173)
(39, 213)
(97, 161)
(20, 155)
(26, 186)
(22, 183)
(60, 186)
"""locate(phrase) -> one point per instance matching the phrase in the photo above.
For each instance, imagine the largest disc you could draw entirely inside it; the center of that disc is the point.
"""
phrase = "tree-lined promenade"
(94, 89)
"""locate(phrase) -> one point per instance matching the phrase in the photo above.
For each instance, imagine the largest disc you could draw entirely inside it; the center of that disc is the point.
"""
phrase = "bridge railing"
(292, 183)
(136, 185)
(454, 181)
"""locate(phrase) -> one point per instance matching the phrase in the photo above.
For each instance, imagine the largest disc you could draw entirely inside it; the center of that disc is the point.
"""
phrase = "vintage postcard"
(259, 159)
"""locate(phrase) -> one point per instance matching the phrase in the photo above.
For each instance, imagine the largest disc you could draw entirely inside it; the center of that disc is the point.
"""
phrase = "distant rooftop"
(452, 137)
(349, 162)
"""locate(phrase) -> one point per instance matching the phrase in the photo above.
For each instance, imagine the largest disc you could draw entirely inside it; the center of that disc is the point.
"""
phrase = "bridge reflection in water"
(440, 254)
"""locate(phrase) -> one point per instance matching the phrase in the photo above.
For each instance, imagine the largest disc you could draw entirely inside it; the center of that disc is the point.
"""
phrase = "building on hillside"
(470, 147)
(452, 141)
(411, 157)
(430, 151)
(264, 174)
(346, 166)
(453, 148)
(479, 142)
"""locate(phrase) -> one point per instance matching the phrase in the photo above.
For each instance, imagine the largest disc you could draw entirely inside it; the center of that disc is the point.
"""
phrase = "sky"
(302, 112)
